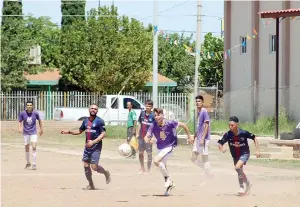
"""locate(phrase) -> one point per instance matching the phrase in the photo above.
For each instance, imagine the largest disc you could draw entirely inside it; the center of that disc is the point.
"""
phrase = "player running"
(28, 117)
(146, 118)
(166, 139)
(202, 138)
(95, 132)
(239, 149)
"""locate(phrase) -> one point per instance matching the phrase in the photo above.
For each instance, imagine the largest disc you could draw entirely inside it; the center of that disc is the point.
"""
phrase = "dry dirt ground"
(59, 181)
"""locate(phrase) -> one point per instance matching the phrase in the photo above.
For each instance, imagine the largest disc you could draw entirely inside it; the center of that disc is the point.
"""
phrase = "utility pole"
(198, 49)
(155, 54)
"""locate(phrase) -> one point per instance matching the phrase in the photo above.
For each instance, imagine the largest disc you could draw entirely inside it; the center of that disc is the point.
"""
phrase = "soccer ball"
(125, 150)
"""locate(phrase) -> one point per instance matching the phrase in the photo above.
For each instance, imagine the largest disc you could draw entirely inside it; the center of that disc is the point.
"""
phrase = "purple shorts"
(91, 157)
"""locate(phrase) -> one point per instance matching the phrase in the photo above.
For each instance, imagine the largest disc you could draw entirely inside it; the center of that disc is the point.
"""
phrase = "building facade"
(249, 72)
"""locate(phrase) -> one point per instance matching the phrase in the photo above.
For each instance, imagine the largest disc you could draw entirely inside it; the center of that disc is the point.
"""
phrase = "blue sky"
(175, 18)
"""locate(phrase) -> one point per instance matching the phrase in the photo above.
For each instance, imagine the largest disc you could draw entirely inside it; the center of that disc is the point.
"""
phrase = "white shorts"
(165, 153)
(30, 138)
(203, 150)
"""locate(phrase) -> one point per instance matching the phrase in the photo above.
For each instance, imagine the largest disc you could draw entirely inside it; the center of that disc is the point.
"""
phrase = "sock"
(27, 157)
(207, 168)
(163, 170)
(100, 169)
(199, 164)
(240, 177)
(34, 157)
(245, 179)
(141, 158)
(149, 160)
(88, 175)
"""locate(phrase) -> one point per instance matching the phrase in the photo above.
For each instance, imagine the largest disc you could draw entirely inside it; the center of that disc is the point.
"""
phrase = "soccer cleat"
(248, 187)
(27, 166)
(34, 166)
(90, 187)
(107, 177)
(169, 188)
(241, 191)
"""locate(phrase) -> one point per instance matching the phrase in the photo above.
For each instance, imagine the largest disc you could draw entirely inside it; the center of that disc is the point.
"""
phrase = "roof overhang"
(280, 13)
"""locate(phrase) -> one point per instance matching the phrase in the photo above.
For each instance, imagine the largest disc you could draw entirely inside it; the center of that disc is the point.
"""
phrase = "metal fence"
(13, 103)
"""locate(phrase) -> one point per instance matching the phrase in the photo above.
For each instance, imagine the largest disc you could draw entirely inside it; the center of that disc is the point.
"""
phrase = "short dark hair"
(200, 97)
(234, 119)
(149, 102)
(29, 102)
(158, 110)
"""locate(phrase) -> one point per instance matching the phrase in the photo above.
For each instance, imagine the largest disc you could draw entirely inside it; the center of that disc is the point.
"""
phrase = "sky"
(177, 15)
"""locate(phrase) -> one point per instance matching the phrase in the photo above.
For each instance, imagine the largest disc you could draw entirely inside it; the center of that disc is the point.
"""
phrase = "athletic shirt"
(93, 129)
(29, 122)
(166, 135)
(145, 121)
(238, 144)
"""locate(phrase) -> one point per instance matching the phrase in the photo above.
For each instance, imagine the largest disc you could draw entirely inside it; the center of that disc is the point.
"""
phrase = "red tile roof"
(280, 13)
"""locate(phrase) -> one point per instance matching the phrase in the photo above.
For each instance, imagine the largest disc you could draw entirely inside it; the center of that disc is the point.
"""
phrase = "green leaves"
(105, 53)
(211, 67)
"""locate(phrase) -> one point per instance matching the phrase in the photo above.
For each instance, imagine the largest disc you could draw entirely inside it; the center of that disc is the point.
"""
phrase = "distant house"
(49, 80)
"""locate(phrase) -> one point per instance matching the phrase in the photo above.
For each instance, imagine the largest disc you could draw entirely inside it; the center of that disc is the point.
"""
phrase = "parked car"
(112, 109)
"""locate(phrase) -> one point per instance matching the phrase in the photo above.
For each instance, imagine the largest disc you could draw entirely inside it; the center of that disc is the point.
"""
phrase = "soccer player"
(166, 139)
(146, 118)
(28, 117)
(95, 132)
(131, 126)
(202, 138)
(239, 149)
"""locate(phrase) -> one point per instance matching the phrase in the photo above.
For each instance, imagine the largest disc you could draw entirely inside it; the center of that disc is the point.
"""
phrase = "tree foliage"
(211, 67)
(15, 47)
(105, 53)
(175, 63)
(74, 7)
(47, 35)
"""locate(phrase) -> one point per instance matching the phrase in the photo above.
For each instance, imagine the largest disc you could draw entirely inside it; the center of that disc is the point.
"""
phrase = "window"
(135, 104)
(272, 44)
(243, 45)
(114, 103)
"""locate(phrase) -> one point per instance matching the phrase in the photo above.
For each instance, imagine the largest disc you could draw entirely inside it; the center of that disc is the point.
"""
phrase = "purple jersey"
(29, 122)
(166, 135)
(202, 118)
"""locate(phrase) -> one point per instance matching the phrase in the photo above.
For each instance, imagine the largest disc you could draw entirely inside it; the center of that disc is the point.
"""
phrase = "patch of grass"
(283, 164)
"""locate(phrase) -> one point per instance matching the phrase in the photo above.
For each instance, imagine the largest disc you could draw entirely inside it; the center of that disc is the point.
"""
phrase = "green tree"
(75, 7)
(106, 52)
(15, 47)
(9, 9)
(174, 62)
(211, 66)
(46, 34)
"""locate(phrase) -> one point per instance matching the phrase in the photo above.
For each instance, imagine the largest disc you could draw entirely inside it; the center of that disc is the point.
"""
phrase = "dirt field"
(59, 180)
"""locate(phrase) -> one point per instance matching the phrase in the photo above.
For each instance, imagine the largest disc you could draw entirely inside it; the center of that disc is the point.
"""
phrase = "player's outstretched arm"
(190, 139)
(254, 138)
(221, 143)
(74, 132)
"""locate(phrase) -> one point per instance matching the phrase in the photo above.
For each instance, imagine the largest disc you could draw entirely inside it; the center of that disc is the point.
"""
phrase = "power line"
(167, 9)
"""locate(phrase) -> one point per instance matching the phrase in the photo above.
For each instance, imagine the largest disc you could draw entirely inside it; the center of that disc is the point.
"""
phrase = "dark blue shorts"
(91, 157)
(244, 158)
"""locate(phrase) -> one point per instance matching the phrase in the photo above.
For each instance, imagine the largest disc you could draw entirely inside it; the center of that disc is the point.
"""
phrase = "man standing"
(28, 117)
(131, 125)
(146, 119)
(202, 138)
(95, 132)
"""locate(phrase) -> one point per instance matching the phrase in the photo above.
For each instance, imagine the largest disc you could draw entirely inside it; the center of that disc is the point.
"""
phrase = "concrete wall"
(258, 65)
(294, 89)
